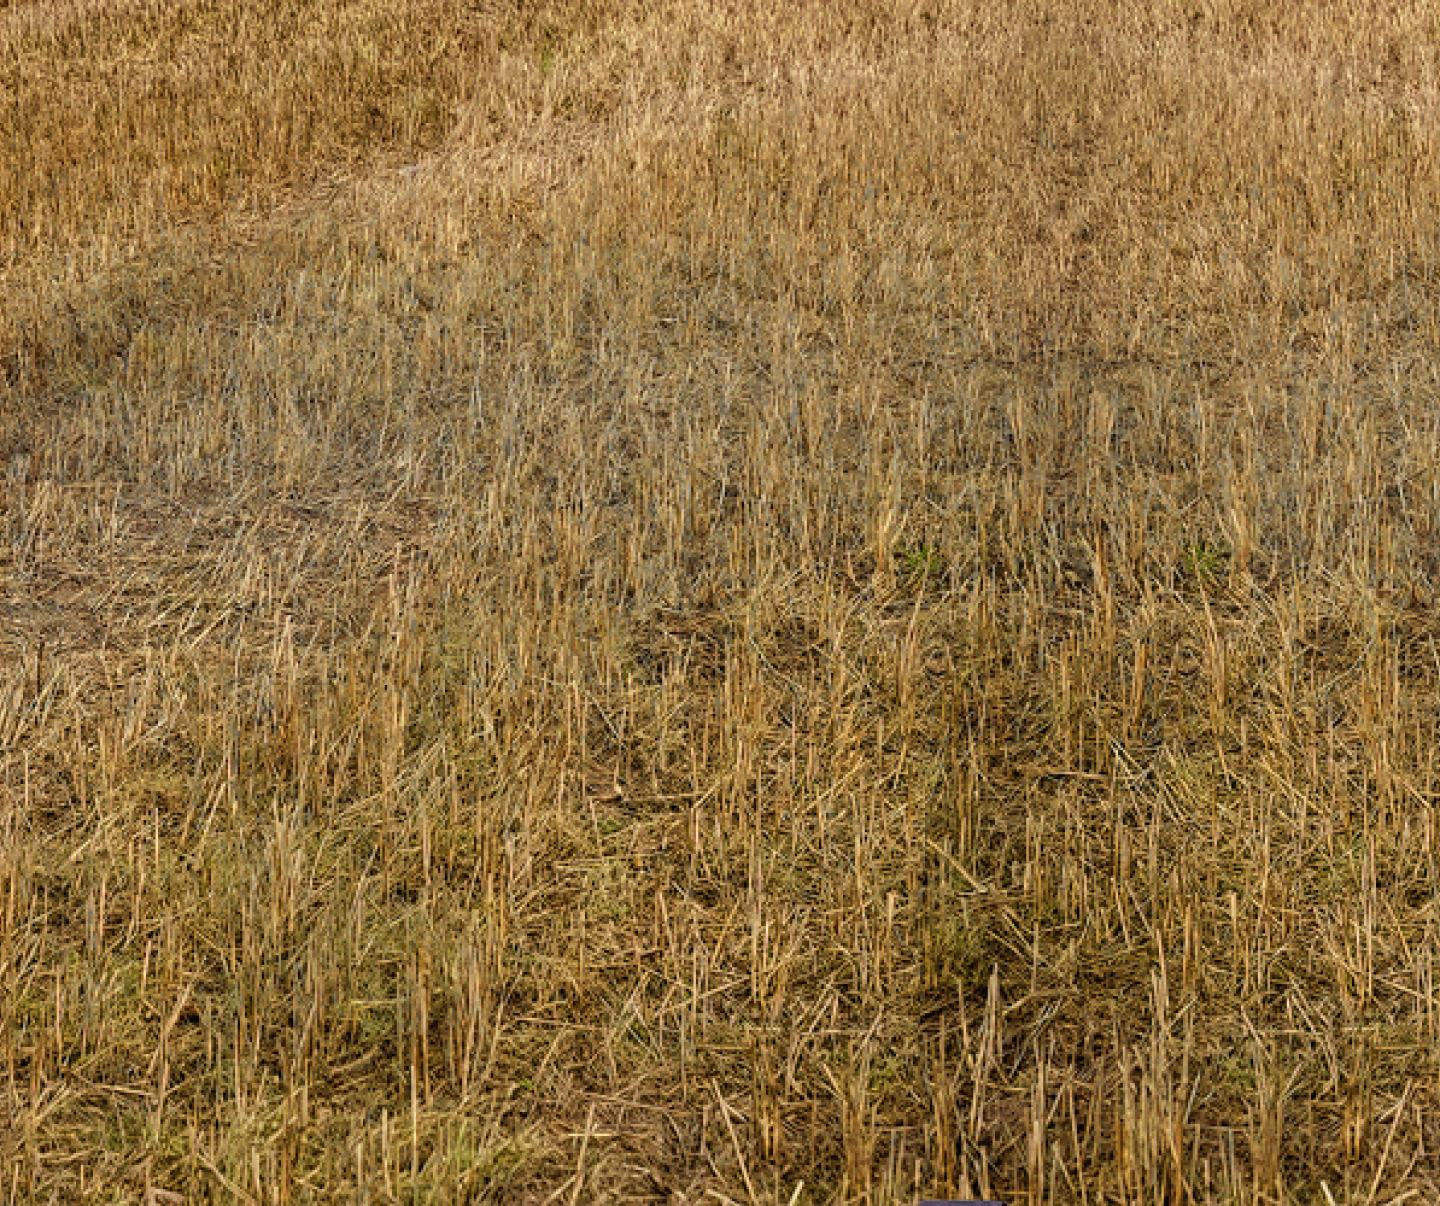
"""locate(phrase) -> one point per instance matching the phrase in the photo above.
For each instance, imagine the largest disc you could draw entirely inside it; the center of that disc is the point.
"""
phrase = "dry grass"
(719, 601)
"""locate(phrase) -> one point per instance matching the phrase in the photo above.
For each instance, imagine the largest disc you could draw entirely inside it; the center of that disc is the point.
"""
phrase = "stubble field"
(719, 602)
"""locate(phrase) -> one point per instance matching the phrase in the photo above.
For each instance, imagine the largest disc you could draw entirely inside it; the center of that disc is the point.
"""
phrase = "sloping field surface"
(719, 602)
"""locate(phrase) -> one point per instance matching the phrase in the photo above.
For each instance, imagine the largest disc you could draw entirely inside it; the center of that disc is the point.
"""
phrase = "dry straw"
(719, 602)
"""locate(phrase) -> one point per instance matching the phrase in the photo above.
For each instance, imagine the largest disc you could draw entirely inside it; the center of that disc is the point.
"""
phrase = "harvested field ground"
(719, 602)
